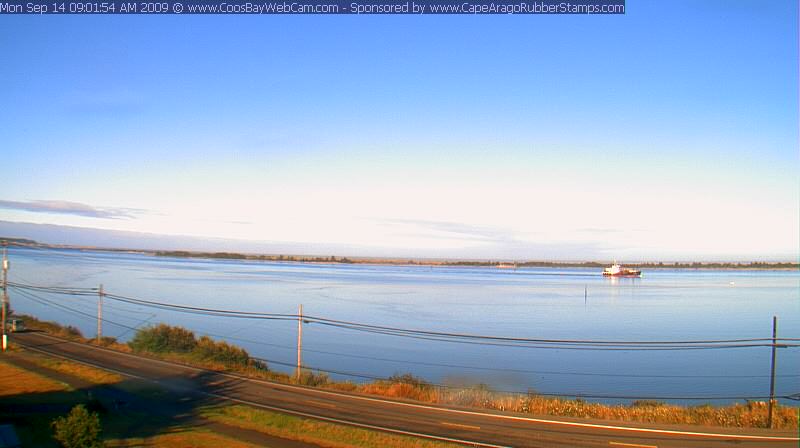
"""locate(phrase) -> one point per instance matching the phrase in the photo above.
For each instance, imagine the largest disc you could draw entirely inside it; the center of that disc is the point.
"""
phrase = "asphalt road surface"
(473, 427)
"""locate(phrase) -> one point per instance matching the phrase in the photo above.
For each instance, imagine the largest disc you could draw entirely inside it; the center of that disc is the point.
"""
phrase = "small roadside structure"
(15, 325)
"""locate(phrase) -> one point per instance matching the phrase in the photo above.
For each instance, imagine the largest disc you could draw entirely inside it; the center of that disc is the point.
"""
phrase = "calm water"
(535, 303)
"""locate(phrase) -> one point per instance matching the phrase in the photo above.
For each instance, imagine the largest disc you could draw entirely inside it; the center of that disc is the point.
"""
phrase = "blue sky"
(668, 133)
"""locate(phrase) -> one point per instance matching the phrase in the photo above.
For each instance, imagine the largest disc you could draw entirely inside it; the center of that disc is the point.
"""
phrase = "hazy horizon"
(108, 239)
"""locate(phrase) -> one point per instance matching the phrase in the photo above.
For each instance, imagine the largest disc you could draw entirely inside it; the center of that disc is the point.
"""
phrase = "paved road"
(173, 412)
(470, 426)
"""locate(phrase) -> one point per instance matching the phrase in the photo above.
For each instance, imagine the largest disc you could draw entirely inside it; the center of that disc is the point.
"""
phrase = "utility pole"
(299, 340)
(772, 373)
(5, 293)
(100, 313)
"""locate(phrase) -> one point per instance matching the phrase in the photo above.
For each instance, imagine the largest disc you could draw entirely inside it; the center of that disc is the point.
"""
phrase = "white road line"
(631, 445)
(459, 425)
(320, 403)
(360, 425)
(463, 412)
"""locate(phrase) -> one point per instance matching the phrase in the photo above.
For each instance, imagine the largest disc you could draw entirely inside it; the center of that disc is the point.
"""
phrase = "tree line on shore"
(478, 263)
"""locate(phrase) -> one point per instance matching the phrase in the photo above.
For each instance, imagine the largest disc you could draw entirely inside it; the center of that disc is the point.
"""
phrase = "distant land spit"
(23, 242)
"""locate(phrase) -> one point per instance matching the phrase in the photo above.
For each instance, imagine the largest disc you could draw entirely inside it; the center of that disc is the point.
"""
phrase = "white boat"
(616, 270)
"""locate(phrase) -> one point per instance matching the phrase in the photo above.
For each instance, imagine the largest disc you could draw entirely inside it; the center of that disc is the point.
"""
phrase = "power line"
(57, 289)
(562, 344)
(114, 308)
(515, 339)
(585, 346)
(408, 334)
(481, 368)
(204, 311)
(492, 369)
(354, 325)
(44, 301)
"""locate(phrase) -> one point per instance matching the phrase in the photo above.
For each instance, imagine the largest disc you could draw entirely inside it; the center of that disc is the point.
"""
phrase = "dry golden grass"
(195, 438)
(84, 372)
(311, 431)
(16, 381)
(402, 390)
(748, 415)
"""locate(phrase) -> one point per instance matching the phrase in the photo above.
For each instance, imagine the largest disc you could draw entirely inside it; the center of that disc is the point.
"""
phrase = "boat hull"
(623, 274)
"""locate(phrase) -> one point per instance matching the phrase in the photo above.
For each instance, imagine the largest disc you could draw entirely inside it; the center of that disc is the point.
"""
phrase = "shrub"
(68, 332)
(407, 378)
(106, 341)
(163, 338)
(308, 378)
(219, 351)
(259, 365)
(79, 429)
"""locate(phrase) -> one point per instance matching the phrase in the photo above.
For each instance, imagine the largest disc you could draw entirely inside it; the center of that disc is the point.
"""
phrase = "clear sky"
(668, 133)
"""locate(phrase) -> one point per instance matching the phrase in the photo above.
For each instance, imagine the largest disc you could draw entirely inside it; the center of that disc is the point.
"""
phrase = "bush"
(308, 378)
(209, 350)
(166, 339)
(79, 429)
(409, 379)
(73, 332)
(106, 341)
(163, 338)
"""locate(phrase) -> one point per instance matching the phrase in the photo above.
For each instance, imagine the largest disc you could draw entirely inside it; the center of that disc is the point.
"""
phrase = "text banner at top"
(587, 7)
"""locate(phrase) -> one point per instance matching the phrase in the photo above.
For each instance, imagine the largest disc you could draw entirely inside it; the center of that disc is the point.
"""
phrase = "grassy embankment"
(311, 431)
(33, 401)
(178, 344)
(42, 399)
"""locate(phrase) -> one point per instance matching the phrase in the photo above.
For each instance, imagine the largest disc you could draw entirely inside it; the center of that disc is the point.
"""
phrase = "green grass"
(20, 387)
(137, 428)
(15, 383)
(84, 372)
(313, 431)
(196, 438)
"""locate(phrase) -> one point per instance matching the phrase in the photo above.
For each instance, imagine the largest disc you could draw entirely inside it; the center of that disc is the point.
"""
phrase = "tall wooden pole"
(299, 340)
(772, 372)
(99, 313)
(4, 305)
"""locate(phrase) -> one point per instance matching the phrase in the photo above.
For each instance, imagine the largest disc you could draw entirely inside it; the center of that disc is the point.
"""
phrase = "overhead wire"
(561, 344)
(42, 300)
(492, 369)
(29, 295)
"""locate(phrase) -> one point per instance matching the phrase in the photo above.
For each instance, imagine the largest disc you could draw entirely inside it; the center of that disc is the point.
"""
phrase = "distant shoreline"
(497, 264)
(467, 263)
